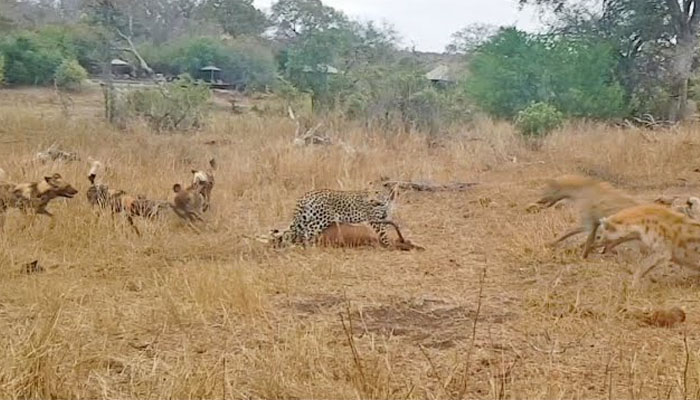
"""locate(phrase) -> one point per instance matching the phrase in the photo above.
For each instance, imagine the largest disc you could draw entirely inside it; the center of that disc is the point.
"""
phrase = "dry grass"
(485, 312)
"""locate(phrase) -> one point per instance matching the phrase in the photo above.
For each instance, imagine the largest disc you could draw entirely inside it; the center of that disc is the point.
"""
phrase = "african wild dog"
(33, 196)
(188, 203)
(205, 180)
(119, 202)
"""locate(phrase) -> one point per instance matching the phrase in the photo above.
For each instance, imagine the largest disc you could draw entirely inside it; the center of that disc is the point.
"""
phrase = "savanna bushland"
(89, 309)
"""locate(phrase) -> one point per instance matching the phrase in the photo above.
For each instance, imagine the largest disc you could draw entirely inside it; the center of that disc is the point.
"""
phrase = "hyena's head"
(58, 187)
(610, 230)
(564, 187)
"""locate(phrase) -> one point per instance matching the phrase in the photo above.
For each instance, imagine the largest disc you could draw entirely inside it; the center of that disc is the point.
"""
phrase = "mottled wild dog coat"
(34, 196)
(595, 200)
(205, 181)
(188, 203)
(669, 235)
(118, 201)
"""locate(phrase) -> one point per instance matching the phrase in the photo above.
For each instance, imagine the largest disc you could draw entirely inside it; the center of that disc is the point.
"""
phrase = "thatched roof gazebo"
(440, 75)
(212, 71)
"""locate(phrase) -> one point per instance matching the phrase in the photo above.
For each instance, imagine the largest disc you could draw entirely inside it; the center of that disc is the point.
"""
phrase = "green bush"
(80, 42)
(2, 70)
(514, 69)
(28, 61)
(538, 119)
(177, 106)
(70, 75)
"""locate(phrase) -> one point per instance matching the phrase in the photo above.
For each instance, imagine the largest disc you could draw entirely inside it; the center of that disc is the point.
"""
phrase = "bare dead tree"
(310, 136)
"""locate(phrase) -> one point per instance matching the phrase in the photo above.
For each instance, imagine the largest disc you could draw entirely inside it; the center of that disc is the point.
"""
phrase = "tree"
(669, 26)
(28, 61)
(237, 17)
(515, 69)
(469, 38)
(293, 18)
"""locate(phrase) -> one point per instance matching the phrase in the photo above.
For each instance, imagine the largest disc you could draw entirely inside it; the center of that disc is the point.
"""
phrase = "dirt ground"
(486, 311)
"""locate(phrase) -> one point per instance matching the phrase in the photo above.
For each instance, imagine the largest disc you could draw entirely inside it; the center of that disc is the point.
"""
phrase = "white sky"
(429, 23)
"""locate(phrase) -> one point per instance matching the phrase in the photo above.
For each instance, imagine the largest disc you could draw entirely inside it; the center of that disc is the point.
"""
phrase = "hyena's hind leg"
(567, 235)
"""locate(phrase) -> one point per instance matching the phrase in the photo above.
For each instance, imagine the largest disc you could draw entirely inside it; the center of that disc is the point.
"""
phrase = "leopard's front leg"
(380, 228)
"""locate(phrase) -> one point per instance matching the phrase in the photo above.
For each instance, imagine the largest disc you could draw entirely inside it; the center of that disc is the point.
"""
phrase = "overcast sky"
(429, 23)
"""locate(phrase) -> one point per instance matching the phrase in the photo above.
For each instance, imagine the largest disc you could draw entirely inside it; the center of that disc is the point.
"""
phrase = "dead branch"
(310, 137)
(132, 49)
(426, 186)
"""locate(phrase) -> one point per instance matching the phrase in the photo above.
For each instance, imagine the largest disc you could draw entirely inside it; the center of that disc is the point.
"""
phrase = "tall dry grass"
(485, 312)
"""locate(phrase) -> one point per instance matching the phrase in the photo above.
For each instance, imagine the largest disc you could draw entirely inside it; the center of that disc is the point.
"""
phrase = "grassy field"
(487, 311)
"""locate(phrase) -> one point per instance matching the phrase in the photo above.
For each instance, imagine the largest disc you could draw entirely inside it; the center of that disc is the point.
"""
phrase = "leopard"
(316, 210)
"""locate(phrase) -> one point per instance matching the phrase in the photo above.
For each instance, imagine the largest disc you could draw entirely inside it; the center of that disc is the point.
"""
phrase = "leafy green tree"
(237, 17)
(28, 61)
(515, 69)
(663, 32)
(469, 38)
(293, 18)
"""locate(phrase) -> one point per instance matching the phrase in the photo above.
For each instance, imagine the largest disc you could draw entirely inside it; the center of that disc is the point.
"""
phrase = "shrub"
(180, 105)
(514, 69)
(538, 119)
(70, 75)
(28, 61)
(2, 70)
(244, 63)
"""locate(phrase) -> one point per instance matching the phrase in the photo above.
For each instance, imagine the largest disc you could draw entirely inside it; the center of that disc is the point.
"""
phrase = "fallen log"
(426, 186)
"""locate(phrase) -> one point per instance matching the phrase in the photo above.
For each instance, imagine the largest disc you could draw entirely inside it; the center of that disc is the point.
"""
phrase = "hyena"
(595, 200)
(667, 234)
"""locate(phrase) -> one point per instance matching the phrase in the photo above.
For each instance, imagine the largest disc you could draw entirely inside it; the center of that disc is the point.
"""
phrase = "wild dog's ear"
(194, 171)
(91, 178)
(212, 163)
(177, 188)
(57, 176)
(49, 179)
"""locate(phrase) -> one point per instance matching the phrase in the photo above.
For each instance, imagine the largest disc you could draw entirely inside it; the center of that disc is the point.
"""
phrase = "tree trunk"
(681, 71)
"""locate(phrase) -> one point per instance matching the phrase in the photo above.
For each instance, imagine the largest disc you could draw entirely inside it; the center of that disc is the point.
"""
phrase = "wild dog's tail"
(95, 167)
